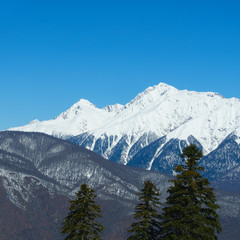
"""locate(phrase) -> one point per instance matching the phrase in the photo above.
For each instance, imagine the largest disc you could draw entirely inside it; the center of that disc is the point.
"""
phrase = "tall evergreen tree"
(80, 222)
(190, 212)
(147, 218)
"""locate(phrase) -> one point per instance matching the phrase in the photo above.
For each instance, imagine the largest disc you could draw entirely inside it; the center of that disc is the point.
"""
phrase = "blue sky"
(52, 53)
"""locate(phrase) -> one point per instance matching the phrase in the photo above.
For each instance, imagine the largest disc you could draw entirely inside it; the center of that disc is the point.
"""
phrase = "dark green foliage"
(190, 213)
(147, 218)
(80, 222)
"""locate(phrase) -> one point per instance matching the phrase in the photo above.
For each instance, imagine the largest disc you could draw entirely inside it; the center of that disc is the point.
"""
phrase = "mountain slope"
(224, 158)
(39, 173)
(37, 170)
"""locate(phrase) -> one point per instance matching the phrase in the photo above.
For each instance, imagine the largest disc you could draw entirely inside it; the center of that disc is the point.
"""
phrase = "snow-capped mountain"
(119, 132)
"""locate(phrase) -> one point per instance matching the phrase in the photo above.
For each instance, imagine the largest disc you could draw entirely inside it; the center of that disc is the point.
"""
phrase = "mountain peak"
(164, 85)
(153, 93)
(84, 103)
(77, 108)
(160, 88)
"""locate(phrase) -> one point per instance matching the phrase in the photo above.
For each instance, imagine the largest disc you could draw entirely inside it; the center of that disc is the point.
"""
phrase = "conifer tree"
(190, 212)
(147, 218)
(80, 222)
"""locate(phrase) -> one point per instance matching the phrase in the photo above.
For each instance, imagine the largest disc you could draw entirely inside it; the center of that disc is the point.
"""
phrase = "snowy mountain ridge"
(161, 109)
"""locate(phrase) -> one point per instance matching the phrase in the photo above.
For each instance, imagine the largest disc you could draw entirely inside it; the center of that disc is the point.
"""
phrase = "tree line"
(190, 211)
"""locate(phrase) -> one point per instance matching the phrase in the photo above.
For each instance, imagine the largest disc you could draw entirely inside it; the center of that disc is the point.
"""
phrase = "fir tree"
(147, 218)
(80, 222)
(190, 212)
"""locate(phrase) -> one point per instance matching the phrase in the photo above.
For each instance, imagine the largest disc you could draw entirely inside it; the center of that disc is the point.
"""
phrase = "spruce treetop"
(190, 211)
(80, 222)
(147, 218)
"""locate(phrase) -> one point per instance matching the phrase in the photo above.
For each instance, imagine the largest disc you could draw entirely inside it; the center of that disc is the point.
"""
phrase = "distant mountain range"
(151, 130)
(39, 173)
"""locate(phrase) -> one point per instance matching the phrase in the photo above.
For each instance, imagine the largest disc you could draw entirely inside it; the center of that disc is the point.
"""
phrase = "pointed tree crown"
(147, 218)
(191, 209)
(80, 222)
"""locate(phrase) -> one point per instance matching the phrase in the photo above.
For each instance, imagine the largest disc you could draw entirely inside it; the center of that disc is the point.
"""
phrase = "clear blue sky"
(54, 52)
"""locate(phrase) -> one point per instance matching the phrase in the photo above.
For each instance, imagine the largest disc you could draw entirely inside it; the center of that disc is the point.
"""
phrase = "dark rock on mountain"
(145, 157)
(122, 149)
(222, 159)
(162, 155)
